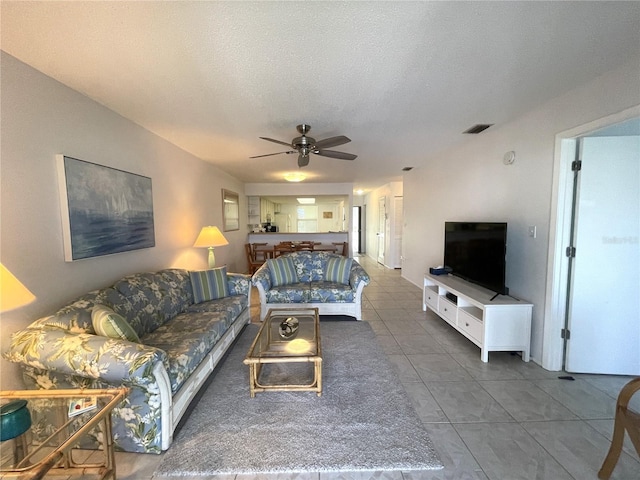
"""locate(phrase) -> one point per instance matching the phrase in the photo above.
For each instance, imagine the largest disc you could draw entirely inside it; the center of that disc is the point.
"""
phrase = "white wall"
(41, 118)
(470, 182)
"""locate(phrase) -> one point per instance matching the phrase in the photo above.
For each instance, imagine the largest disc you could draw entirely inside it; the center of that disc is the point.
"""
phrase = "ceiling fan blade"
(269, 154)
(334, 154)
(332, 142)
(303, 160)
(275, 141)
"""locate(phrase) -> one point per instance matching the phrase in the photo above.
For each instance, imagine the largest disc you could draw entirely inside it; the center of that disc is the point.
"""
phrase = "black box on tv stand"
(440, 270)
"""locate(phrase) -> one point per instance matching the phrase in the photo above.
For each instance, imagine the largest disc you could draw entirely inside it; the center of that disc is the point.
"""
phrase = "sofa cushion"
(76, 316)
(330, 292)
(338, 270)
(282, 271)
(209, 284)
(310, 266)
(292, 293)
(153, 298)
(190, 336)
(108, 323)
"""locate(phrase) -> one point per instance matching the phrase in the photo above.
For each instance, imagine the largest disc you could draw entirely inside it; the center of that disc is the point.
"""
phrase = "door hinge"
(571, 252)
(565, 333)
(576, 165)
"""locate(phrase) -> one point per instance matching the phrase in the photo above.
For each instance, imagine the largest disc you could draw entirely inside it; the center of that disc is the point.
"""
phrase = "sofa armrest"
(114, 361)
(239, 283)
(262, 278)
(358, 275)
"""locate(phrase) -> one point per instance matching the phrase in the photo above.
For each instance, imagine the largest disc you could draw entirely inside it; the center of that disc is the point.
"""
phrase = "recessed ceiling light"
(306, 201)
(294, 177)
(359, 191)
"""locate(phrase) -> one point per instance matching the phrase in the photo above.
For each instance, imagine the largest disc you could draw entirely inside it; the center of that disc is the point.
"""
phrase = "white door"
(604, 302)
(398, 221)
(382, 219)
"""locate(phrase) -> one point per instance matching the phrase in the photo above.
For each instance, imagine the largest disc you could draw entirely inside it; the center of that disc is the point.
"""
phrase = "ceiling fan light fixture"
(294, 177)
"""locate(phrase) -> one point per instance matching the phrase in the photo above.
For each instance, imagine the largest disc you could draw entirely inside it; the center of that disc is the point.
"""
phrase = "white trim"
(166, 405)
(559, 228)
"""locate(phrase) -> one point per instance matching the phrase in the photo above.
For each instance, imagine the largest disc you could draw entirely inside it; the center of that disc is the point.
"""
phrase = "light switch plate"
(532, 231)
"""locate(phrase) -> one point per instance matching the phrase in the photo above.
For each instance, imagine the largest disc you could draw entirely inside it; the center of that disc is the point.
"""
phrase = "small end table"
(52, 452)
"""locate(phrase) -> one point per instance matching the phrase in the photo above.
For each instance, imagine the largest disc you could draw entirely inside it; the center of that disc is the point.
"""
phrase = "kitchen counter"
(273, 238)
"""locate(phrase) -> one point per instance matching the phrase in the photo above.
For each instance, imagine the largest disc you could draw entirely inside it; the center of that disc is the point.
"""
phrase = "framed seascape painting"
(104, 210)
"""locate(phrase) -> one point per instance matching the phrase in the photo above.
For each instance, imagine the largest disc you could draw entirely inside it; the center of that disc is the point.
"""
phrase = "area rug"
(364, 420)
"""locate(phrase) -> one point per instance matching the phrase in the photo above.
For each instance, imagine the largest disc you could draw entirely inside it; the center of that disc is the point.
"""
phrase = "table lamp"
(210, 237)
(15, 418)
(13, 293)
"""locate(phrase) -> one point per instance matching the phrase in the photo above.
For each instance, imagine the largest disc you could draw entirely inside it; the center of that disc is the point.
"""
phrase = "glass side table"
(60, 420)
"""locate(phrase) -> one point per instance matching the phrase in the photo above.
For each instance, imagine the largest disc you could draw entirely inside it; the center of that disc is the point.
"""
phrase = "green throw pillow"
(209, 284)
(282, 271)
(338, 270)
(108, 323)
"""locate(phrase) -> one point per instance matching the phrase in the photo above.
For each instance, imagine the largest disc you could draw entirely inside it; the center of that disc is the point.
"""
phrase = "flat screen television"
(476, 252)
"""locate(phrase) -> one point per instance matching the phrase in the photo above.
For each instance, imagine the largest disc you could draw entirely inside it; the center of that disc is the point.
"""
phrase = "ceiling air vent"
(407, 169)
(480, 127)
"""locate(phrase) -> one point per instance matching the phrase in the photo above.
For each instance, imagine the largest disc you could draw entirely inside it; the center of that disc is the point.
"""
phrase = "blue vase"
(15, 419)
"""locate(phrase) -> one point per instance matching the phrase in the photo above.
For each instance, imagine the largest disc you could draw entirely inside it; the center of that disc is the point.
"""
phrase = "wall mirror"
(230, 211)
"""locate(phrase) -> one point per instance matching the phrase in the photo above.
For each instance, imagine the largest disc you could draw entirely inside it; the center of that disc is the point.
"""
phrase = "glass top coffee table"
(287, 336)
(56, 423)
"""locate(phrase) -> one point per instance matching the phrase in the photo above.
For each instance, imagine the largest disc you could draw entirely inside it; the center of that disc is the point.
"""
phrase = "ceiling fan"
(304, 146)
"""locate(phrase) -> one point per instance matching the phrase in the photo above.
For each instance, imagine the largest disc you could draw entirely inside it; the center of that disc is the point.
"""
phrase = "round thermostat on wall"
(509, 157)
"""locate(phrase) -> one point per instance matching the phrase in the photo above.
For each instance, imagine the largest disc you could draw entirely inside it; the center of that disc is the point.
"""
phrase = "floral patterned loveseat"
(180, 344)
(328, 281)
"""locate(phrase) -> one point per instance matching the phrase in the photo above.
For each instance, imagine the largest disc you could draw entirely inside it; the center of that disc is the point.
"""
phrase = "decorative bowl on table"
(288, 328)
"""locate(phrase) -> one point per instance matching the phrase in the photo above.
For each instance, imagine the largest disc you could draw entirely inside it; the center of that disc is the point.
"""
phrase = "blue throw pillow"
(338, 270)
(282, 271)
(209, 284)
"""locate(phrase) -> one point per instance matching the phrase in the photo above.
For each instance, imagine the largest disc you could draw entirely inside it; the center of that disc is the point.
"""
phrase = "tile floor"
(503, 420)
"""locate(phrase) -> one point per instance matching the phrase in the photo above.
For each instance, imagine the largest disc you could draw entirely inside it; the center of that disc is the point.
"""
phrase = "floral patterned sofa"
(328, 281)
(180, 343)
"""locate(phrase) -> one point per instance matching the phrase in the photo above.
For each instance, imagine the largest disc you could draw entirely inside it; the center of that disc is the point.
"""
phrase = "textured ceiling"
(401, 79)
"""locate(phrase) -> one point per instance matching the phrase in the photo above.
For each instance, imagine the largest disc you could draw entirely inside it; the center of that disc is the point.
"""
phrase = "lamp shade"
(13, 294)
(210, 237)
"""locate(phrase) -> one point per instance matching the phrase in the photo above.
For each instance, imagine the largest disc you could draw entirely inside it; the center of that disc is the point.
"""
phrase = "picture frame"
(230, 211)
(103, 210)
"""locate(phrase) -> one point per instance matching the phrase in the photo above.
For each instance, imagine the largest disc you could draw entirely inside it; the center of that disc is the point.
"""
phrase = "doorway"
(603, 314)
(382, 228)
(583, 297)
(398, 222)
(359, 230)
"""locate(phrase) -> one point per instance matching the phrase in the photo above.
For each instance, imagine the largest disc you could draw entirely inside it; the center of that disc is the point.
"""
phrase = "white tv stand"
(501, 324)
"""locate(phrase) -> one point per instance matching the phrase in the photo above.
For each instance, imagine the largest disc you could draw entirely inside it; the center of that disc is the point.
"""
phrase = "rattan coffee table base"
(268, 348)
(255, 386)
